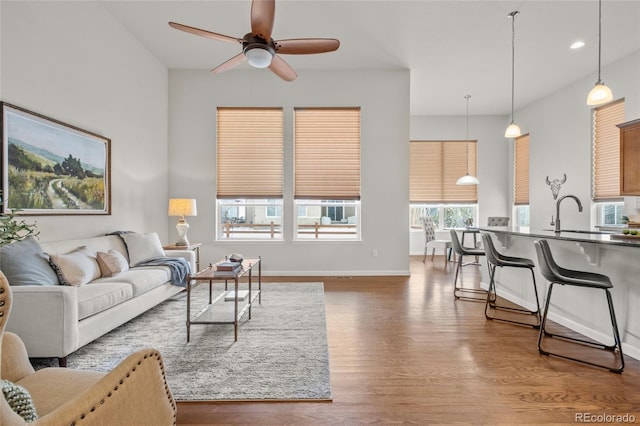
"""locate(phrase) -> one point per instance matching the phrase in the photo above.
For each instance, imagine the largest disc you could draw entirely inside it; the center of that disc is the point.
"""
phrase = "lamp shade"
(467, 180)
(600, 94)
(513, 131)
(182, 207)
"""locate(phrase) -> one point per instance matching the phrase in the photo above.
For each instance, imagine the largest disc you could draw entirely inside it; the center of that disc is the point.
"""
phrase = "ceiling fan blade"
(205, 33)
(305, 46)
(282, 69)
(231, 63)
(262, 17)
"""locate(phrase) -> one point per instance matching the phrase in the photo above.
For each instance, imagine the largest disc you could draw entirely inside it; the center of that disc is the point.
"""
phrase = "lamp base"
(182, 227)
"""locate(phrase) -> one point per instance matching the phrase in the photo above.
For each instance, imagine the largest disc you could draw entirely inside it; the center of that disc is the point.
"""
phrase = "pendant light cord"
(512, 15)
(467, 98)
(599, 38)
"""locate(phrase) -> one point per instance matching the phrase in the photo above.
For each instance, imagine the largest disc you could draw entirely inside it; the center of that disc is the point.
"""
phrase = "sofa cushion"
(78, 267)
(111, 263)
(141, 278)
(24, 263)
(97, 297)
(142, 247)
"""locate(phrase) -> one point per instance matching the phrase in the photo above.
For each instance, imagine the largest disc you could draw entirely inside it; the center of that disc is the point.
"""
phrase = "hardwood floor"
(403, 351)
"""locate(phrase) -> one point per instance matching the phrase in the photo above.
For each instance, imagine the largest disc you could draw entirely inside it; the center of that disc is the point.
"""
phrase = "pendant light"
(467, 179)
(600, 94)
(513, 131)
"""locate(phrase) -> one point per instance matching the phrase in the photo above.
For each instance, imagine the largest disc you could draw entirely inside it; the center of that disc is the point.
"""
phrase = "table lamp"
(182, 207)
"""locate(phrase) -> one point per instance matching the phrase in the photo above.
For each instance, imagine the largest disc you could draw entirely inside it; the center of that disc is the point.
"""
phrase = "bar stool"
(558, 275)
(462, 251)
(496, 259)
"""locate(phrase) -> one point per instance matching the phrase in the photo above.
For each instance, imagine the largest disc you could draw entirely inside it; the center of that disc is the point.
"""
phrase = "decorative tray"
(624, 237)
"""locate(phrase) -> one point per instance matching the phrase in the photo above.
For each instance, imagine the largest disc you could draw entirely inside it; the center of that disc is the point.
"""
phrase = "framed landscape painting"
(52, 168)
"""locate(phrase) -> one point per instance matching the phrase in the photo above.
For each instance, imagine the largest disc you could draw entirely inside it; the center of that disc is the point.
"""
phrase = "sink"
(580, 231)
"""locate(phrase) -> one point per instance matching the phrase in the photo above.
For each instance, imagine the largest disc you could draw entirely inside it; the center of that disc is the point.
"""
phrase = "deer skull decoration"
(555, 185)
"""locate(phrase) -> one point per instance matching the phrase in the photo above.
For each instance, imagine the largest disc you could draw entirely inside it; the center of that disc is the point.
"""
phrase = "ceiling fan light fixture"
(513, 131)
(259, 56)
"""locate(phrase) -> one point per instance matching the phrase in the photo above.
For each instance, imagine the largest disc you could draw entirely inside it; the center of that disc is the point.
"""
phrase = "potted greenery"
(12, 229)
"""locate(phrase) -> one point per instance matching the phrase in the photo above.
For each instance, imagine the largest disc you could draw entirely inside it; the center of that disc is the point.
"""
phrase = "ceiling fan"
(259, 49)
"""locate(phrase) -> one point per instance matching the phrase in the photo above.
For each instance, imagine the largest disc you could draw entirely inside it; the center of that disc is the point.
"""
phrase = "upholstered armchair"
(134, 393)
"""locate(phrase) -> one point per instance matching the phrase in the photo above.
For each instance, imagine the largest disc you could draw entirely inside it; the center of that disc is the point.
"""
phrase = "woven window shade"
(327, 153)
(606, 151)
(434, 168)
(250, 152)
(521, 171)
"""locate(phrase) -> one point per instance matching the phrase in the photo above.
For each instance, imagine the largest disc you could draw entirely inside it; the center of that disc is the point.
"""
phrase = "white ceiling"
(452, 48)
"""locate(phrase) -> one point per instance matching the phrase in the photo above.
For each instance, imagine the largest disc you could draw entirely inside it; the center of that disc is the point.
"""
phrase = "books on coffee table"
(230, 296)
(229, 266)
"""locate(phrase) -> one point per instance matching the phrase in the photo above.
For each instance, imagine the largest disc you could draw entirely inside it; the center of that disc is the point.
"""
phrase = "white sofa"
(56, 320)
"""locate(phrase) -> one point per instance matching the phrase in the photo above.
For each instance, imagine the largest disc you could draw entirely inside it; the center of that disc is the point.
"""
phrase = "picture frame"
(49, 167)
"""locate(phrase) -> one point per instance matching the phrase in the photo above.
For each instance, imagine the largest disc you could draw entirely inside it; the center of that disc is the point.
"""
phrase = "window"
(606, 162)
(521, 180)
(444, 216)
(249, 173)
(610, 213)
(434, 168)
(327, 173)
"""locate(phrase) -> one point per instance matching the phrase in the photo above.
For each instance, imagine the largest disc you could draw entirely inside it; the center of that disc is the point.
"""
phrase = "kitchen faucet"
(557, 221)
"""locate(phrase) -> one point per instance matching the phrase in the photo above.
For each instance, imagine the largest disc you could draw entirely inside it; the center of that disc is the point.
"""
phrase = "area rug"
(281, 353)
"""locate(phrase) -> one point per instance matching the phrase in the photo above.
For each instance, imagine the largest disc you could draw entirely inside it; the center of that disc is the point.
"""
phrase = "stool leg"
(457, 290)
(492, 298)
(543, 330)
(616, 336)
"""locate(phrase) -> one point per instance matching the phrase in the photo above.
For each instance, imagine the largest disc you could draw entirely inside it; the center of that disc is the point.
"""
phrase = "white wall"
(73, 62)
(561, 141)
(384, 101)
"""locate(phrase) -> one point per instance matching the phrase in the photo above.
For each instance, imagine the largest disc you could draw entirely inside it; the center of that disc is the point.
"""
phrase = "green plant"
(12, 229)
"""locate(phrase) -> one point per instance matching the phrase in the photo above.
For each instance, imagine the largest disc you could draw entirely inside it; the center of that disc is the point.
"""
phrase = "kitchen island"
(582, 310)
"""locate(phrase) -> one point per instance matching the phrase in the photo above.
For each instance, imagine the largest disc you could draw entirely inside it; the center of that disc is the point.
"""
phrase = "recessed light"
(577, 44)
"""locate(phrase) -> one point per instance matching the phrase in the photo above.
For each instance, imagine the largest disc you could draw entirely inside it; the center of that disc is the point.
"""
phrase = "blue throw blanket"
(179, 268)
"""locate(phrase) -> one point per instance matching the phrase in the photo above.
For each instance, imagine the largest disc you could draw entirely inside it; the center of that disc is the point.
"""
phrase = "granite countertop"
(597, 237)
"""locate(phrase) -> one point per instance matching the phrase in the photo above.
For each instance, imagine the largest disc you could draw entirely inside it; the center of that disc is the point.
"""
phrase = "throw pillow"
(142, 247)
(24, 263)
(19, 400)
(77, 267)
(111, 263)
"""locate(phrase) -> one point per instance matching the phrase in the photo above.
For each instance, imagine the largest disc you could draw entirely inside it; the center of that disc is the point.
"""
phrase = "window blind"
(327, 153)
(434, 168)
(606, 151)
(521, 171)
(250, 152)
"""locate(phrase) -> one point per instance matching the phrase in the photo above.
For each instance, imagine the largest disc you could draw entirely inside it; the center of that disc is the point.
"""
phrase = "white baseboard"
(403, 273)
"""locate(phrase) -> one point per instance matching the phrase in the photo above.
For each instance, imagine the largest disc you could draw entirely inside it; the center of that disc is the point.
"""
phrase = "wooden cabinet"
(630, 157)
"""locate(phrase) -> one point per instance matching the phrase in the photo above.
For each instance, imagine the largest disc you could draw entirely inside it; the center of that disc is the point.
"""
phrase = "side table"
(195, 247)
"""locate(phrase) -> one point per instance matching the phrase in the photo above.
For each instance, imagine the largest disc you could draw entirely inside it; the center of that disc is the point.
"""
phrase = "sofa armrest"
(46, 319)
(188, 255)
(135, 392)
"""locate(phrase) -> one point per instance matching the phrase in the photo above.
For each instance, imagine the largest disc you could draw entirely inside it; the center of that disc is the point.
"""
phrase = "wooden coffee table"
(209, 314)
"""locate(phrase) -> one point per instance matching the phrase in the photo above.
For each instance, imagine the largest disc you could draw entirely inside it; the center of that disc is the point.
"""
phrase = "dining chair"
(431, 242)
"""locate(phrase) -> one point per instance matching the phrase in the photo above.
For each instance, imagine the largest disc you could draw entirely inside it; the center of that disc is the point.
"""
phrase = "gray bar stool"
(558, 275)
(496, 259)
(461, 251)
